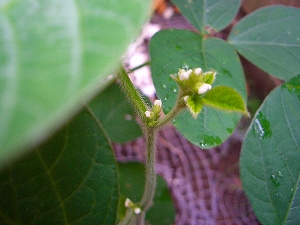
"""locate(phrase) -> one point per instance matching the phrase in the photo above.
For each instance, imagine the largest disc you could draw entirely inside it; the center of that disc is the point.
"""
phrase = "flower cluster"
(153, 115)
(129, 204)
(194, 81)
(194, 84)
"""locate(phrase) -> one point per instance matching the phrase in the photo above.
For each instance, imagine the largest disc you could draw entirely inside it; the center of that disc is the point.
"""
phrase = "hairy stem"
(150, 184)
(134, 97)
(150, 133)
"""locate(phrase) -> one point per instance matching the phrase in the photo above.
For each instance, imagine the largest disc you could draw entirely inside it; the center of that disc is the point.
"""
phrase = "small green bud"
(148, 114)
(209, 77)
(129, 204)
(153, 115)
(137, 210)
(197, 71)
(184, 74)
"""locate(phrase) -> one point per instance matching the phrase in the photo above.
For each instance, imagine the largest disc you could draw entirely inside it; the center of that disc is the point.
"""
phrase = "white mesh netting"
(204, 184)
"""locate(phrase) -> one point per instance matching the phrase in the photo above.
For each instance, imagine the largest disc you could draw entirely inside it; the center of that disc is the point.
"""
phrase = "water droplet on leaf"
(279, 173)
(128, 117)
(185, 66)
(167, 109)
(209, 141)
(274, 180)
(166, 97)
(262, 126)
(174, 89)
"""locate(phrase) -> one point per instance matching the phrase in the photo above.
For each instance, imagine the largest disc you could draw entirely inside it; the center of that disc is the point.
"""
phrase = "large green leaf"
(208, 14)
(70, 179)
(132, 181)
(270, 157)
(269, 38)
(172, 49)
(54, 55)
(116, 114)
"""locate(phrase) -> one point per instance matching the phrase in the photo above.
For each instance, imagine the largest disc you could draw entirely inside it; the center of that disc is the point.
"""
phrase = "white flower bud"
(137, 210)
(204, 88)
(148, 114)
(158, 102)
(185, 74)
(198, 71)
(128, 203)
(185, 98)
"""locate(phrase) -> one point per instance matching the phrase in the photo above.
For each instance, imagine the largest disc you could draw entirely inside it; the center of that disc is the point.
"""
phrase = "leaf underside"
(54, 57)
(70, 179)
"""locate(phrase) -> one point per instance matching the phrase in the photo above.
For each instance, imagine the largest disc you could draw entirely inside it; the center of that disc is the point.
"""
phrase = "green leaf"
(194, 104)
(269, 38)
(132, 180)
(269, 162)
(70, 179)
(55, 56)
(206, 15)
(225, 98)
(172, 49)
(209, 77)
(116, 114)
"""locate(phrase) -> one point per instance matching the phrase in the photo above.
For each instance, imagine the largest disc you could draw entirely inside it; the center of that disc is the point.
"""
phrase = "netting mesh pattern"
(204, 184)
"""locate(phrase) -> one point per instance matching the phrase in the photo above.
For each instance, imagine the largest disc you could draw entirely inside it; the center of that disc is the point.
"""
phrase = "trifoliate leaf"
(225, 98)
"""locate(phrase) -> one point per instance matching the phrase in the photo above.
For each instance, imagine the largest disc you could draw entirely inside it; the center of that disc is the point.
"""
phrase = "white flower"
(148, 114)
(197, 71)
(204, 88)
(158, 102)
(137, 210)
(128, 203)
(184, 74)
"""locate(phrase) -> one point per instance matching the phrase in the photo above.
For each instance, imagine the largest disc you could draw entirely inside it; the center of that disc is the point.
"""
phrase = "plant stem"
(140, 66)
(150, 183)
(132, 94)
(179, 105)
(150, 133)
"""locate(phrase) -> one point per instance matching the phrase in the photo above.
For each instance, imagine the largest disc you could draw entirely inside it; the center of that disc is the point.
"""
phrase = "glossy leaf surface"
(132, 180)
(116, 114)
(70, 179)
(208, 14)
(173, 49)
(54, 56)
(269, 162)
(269, 38)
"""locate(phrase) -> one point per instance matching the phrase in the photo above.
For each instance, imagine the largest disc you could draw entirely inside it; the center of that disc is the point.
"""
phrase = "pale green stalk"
(134, 97)
(150, 133)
